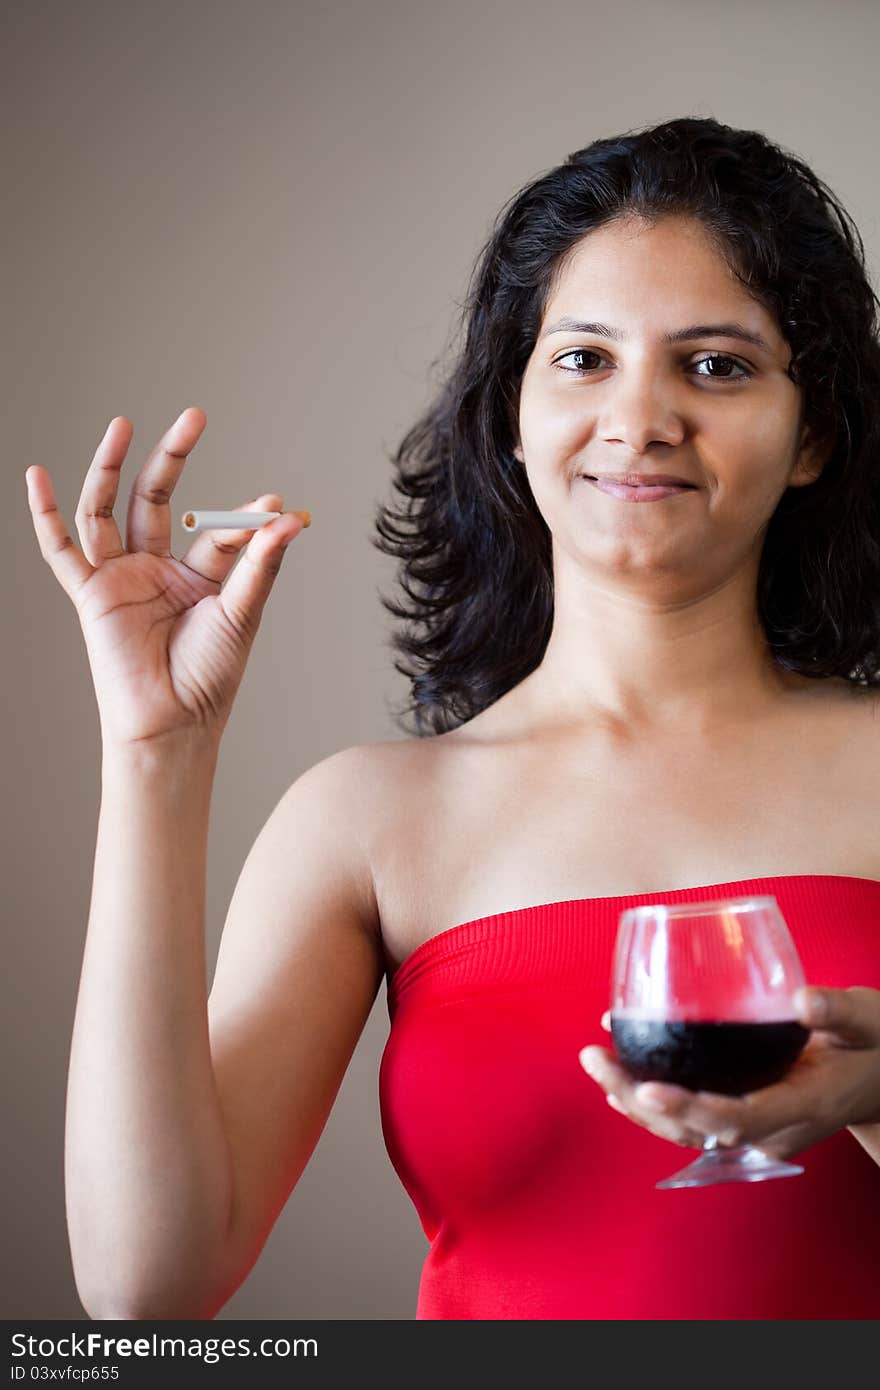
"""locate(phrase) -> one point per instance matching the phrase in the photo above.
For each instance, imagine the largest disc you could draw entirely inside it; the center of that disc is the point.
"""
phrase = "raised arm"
(189, 1121)
(167, 1191)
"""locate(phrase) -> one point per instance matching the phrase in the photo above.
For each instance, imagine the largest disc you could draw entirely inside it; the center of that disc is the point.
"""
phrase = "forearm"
(147, 1165)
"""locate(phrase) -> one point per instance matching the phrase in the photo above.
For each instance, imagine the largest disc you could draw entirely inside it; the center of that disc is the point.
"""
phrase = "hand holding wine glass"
(833, 1083)
(166, 643)
(703, 996)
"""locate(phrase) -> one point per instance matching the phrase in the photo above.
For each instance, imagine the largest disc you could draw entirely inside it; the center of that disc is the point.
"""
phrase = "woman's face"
(627, 401)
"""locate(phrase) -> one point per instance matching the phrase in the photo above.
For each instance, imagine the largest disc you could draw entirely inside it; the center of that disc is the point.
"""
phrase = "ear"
(812, 457)
(518, 453)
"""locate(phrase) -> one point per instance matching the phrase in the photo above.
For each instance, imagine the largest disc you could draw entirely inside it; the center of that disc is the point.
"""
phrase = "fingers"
(832, 1083)
(670, 1112)
(689, 1117)
(777, 1118)
(98, 533)
(673, 1112)
(630, 1099)
(606, 1071)
(245, 594)
(213, 553)
(148, 524)
(852, 1015)
(66, 561)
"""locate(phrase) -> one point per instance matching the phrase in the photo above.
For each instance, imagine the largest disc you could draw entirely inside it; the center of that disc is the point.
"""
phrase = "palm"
(167, 640)
(160, 644)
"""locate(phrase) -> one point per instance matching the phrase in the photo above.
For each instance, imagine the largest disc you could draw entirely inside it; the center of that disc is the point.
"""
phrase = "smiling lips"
(646, 487)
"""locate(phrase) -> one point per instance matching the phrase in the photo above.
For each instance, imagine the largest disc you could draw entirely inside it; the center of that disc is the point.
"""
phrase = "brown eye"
(575, 352)
(720, 357)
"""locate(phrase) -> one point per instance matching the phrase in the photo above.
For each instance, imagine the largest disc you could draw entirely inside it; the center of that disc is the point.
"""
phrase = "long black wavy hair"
(475, 553)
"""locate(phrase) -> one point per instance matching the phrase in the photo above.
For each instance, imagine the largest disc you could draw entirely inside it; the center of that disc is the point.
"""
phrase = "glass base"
(743, 1164)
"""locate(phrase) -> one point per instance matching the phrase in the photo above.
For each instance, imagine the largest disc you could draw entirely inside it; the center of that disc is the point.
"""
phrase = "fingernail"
(615, 1104)
(586, 1060)
(305, 518)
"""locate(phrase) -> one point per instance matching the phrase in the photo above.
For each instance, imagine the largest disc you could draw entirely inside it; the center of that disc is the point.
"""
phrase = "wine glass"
(702, 997)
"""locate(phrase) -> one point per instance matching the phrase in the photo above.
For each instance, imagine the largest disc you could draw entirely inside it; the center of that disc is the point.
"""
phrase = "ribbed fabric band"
(552, 939)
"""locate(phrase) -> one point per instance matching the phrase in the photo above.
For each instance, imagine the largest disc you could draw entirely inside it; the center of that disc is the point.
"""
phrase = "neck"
(635, 665)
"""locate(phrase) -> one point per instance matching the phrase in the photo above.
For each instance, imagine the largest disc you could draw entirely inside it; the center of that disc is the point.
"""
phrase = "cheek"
(552, 437)
(552, 422)
(748, 459)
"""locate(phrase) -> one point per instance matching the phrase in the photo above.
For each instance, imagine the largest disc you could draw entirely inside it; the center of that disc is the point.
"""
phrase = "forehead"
(635, 271)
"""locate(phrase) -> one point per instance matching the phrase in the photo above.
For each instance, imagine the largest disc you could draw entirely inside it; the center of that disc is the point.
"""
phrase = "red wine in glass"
(702, 997)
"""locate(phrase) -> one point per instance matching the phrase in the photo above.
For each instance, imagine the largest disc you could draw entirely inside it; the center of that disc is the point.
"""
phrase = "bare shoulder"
(341, 808)
(355, 781)
(362, 780)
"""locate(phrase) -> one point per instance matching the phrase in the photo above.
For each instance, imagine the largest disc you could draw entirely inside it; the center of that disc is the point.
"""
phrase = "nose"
(639, 410)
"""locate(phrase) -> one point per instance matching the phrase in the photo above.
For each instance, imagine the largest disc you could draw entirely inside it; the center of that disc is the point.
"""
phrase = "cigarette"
(227, 521)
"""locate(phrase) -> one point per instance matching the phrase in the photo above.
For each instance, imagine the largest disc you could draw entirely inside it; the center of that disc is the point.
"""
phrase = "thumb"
(245, 593)
(853, 1015)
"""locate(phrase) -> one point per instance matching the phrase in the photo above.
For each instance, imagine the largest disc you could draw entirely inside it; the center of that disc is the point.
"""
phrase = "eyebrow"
(679, 335)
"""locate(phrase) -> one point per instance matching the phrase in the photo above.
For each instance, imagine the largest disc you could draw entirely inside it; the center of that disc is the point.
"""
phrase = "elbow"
(107, 1304)
(147, 1310)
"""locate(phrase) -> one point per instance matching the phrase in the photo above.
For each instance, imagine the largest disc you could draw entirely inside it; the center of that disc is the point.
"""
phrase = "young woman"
(638, 533)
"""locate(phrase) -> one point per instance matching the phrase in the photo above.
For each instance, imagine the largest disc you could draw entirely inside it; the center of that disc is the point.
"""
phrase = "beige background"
(271, 210)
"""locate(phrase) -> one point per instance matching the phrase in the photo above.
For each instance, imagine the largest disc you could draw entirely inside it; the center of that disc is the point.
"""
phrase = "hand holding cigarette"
(167, 640)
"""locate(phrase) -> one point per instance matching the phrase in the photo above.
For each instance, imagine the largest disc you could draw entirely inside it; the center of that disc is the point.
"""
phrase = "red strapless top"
(539, 1201)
